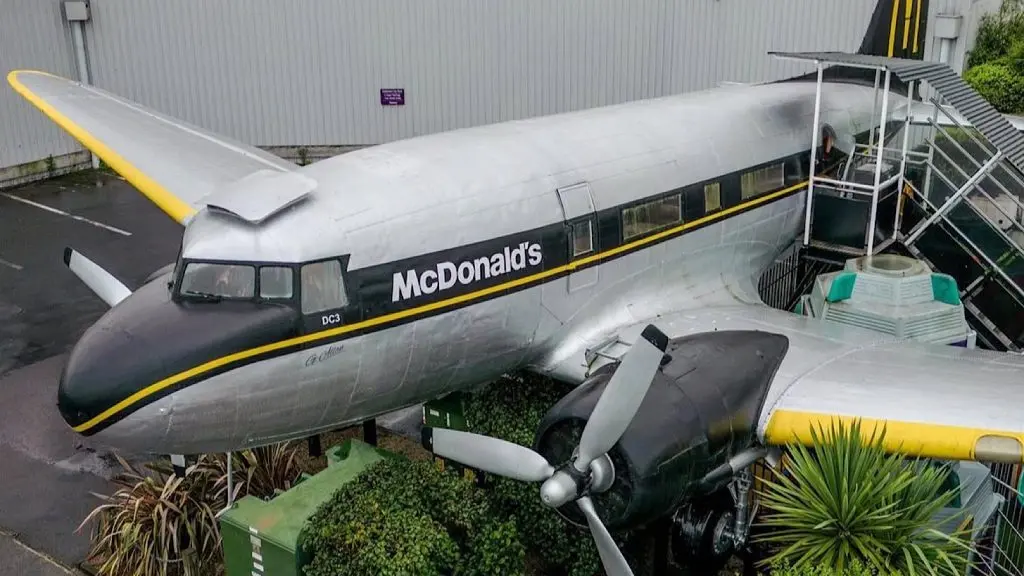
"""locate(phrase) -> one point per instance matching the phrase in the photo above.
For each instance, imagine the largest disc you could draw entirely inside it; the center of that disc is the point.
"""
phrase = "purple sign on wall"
(392, 96)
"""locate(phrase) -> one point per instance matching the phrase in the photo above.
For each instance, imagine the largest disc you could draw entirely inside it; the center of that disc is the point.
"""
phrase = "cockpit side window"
(275, 282)
(323, 287)
(218, 280)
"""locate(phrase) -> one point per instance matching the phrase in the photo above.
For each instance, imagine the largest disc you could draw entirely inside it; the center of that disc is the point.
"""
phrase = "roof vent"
(894, 295)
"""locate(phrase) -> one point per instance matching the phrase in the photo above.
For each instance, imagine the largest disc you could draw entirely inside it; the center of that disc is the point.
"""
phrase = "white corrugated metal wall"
(33, 34)
(308, 72)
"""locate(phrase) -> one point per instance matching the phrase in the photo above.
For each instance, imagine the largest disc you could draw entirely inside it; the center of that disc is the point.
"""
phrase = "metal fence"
(1002, 552)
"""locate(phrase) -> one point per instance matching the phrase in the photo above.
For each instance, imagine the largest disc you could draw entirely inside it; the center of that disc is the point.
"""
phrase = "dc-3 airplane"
(617, 248)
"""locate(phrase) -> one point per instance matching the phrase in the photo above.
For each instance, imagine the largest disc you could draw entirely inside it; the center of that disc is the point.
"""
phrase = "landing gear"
(707, 531)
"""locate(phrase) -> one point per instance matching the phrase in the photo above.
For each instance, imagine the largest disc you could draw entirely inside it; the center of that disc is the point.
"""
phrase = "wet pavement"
(46, 471)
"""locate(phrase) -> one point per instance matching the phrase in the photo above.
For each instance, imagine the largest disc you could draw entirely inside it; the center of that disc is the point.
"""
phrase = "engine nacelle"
(701, 409)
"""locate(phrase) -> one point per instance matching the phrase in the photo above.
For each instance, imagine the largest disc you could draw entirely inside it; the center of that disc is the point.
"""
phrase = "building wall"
(33, 34)
(308, 72)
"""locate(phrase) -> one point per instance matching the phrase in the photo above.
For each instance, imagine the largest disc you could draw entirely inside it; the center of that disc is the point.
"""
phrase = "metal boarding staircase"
(955, 198)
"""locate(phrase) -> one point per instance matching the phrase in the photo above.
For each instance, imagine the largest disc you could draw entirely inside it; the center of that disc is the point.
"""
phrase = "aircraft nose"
(99, 373)
(149, 346)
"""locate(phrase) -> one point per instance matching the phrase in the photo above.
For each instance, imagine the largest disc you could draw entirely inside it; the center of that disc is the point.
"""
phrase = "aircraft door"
(581, 226)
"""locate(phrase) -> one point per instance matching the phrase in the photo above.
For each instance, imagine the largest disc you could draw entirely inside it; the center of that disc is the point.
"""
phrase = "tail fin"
(896, 30)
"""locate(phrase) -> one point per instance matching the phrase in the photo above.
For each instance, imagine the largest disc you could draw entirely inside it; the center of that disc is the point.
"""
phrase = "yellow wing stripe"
(455, 301)
(922, 439)
(167, 202)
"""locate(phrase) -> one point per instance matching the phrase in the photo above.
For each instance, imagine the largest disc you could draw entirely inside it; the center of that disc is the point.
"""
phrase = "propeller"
(103, 283)
(615, 409)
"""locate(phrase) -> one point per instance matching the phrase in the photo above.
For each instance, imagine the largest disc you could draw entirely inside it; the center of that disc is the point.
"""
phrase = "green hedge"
(403, 517)
(511, 409)
(995, 66)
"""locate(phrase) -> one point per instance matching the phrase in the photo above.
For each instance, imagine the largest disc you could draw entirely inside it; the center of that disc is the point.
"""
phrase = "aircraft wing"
(935, 401)
(920, 112)
(176, 165)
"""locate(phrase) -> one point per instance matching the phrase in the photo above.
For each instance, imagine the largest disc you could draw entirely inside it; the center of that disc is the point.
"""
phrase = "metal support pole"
(78, 38)
(878, 164)
(874, 109)
(231, 483)
(927, 190)
(903, 159)
(814, 155)
(178, 463)
(974, 179)
(370, 432)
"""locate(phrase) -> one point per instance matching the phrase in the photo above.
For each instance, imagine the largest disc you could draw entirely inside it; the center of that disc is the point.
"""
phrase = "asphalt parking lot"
(48, 472)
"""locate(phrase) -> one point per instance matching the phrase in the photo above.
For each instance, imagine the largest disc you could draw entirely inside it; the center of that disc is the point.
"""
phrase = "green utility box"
(448, 411)
(262, 537)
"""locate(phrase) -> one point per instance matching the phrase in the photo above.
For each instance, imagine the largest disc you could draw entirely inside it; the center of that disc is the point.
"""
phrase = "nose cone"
(149, 346)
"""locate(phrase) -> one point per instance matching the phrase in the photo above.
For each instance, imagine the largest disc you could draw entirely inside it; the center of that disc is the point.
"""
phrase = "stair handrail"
(975, 161)
(974, 247)
(1013, 171)
(977, 186)
(1013, 243)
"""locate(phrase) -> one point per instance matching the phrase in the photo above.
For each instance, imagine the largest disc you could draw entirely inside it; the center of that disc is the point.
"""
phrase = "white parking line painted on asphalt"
(10, 264)
(63, 213)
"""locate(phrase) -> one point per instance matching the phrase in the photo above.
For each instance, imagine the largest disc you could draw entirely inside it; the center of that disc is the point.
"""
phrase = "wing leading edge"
(942, 402)
(174, 164)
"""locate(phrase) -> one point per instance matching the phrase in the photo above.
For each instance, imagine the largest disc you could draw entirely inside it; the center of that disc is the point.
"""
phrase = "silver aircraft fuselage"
(459, 266)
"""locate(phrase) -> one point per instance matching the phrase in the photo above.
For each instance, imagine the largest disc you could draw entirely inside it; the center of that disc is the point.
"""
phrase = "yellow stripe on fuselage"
(441, 304)
(939, 441)
(160, 196)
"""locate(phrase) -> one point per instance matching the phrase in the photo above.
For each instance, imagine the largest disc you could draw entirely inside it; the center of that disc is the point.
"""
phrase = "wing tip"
(67, 256)
(12, 76)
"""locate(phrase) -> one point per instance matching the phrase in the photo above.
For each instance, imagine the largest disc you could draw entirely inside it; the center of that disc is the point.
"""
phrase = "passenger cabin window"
(275, 282)
(712, 197)
(651, 216)
(762, 180)
(582, 238)
(322, 287)
(204, 279)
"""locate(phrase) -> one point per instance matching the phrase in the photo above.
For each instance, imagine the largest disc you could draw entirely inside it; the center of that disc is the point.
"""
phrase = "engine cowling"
(701, 409)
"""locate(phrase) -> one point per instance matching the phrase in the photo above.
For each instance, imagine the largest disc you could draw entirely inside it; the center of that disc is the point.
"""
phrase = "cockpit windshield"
(209, 280)
(222, 280)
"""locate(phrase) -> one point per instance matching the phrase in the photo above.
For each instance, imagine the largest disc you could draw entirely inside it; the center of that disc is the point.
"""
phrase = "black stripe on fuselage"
(372, 307)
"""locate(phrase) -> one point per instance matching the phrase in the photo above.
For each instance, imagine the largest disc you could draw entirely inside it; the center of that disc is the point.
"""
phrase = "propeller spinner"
(590, 470)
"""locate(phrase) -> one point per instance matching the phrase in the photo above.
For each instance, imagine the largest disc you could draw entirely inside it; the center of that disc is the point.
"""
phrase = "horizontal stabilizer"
(103, 283)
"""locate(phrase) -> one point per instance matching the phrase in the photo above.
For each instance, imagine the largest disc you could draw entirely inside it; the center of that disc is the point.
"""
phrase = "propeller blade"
(622, 397)
(611, 557)
(488, 454)
(103, 283)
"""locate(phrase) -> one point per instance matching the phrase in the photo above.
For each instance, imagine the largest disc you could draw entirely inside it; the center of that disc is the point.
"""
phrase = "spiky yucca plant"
(849, 500)
(156, 524)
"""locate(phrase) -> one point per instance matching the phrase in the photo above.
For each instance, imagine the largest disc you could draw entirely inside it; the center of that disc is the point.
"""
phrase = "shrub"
(849, 500)
(511, 409)
(856, 568)
(999, 84)
(259, 472)
(405, 517)
(155, 522)
(159, 524)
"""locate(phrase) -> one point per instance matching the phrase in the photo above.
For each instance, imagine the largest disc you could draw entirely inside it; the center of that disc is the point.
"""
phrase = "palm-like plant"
(258, 472)
(849, 500)
(156, 524)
